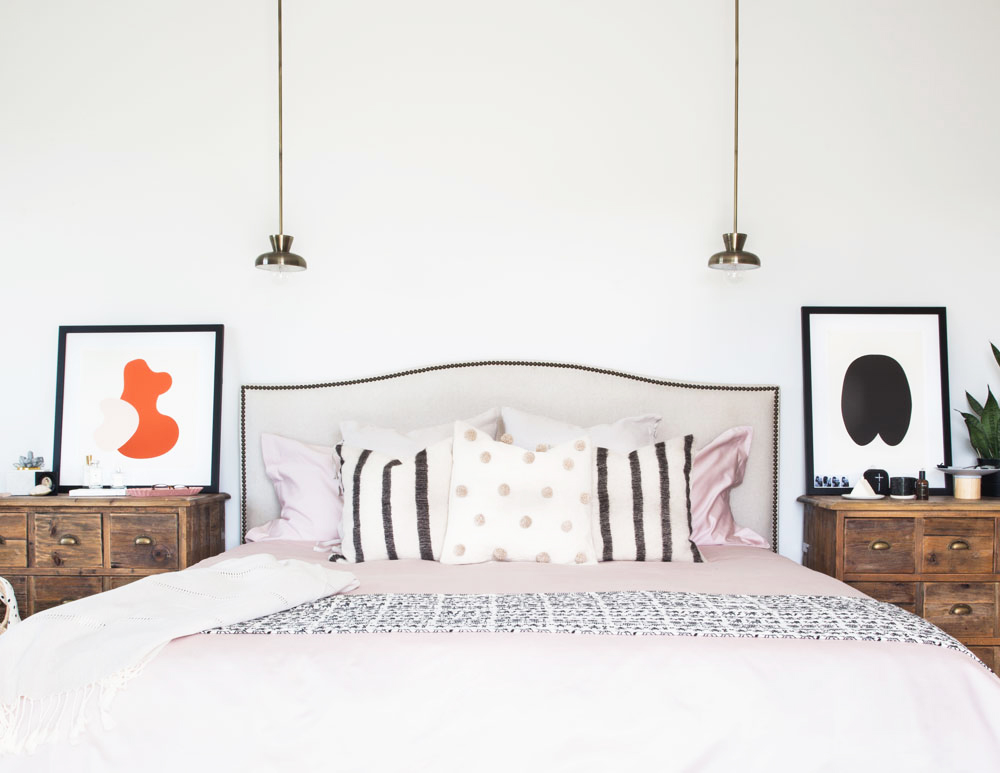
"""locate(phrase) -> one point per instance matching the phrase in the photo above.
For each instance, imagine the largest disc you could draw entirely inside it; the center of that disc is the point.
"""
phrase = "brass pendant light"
(280, 258)
(734, 257)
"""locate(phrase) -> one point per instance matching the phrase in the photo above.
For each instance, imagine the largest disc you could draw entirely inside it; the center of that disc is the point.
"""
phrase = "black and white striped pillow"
(642, 510)
(395, 508)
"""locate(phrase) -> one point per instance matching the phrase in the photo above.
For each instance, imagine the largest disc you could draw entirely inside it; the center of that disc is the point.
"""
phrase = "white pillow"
(395, 508)
(510, 504)
(406, 444)
(642, 507)
(531, 431)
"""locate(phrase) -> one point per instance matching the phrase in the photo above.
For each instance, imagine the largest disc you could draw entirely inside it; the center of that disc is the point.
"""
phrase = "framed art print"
(142, 401)
(876, 395)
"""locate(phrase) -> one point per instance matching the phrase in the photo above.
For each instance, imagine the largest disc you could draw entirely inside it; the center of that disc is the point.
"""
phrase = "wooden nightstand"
(938, 558)
(58, 548)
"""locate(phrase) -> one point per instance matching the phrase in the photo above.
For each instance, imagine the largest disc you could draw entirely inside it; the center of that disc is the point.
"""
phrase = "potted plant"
(984, 433)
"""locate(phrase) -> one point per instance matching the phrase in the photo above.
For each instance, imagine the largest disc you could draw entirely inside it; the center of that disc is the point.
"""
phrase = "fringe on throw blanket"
(29, 722)
(61, 669)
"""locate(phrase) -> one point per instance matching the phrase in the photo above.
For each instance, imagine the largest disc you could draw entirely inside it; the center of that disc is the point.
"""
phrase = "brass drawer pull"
(69, 539)
(959, 544)
(880, 544)
(143, 540)
(960, 609)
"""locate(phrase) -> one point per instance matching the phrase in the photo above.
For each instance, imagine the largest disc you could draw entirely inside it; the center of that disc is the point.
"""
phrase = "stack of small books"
(98, 492)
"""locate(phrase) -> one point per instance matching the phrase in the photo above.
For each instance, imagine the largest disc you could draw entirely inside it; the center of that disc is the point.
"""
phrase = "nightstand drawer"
(958, 545)
(54, 591)
(13, 553)
(13, 540)
(988, 655)
(902, 594)
(20, 586)
(14, 526)
(962, 609)
(881, 545)
(143, 541)
(68, 541)
(119, 582)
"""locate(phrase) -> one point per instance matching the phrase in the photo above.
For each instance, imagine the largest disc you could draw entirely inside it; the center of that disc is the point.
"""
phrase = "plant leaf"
(991, 424)
(996, 353)
(977, 408)
(976, 435)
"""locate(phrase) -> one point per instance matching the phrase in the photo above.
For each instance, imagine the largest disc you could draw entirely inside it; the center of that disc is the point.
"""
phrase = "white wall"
(469, 180)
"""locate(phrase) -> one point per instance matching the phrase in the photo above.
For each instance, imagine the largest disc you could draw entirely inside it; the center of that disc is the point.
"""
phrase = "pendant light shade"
(280, 258)
(734, 257)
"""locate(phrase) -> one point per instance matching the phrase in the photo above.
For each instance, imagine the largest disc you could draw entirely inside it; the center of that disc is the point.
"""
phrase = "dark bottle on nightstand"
(922, 487)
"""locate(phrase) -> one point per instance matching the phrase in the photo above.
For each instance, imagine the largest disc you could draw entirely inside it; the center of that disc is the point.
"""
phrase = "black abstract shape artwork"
(876, 400)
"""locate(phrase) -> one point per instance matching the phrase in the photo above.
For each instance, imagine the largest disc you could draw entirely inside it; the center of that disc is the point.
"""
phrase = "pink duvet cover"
(548, 702)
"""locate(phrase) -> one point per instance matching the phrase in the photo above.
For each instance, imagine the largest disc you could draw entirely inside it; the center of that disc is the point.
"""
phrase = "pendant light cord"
(736, 121)
(281, 259)
(281, 190)
(734, 258)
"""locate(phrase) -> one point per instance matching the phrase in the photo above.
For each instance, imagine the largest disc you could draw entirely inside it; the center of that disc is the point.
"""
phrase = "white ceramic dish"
(968, 472)
(859, 496)
(903, 496)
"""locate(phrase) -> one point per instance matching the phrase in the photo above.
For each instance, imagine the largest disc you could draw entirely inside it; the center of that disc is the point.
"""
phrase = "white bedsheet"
(485, 702)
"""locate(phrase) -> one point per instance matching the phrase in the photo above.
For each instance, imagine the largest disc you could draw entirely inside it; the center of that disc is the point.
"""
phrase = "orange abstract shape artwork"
(156, 433)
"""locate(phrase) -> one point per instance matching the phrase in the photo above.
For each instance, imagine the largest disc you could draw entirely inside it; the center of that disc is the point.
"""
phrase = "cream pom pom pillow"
(512, 504)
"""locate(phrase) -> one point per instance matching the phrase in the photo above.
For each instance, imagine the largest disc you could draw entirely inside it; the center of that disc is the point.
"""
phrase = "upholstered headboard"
(312, 413)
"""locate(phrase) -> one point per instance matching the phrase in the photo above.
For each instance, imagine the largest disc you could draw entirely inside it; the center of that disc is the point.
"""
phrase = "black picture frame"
(88, 357)
(920, 334)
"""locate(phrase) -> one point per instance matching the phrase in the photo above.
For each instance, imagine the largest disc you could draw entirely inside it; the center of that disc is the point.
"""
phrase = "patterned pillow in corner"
(642, 508)
(512, 504)
(395, 508)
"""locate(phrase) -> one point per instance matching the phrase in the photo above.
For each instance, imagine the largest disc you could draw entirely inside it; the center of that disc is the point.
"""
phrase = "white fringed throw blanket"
(59, 666)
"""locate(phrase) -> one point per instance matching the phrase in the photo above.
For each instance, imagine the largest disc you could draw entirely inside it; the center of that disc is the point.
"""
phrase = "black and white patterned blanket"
(621, 613)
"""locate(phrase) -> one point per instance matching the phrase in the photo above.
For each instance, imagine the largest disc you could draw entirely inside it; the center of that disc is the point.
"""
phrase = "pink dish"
(187, 491)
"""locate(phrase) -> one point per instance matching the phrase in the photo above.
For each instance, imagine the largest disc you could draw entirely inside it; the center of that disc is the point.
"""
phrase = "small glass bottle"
(95, 479)
(922, 489)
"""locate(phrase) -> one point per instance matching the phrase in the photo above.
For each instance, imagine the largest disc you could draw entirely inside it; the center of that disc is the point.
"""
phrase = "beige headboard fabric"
(312, 413)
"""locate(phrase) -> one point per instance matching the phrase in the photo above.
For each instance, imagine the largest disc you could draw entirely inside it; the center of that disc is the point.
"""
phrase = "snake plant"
(984, 421)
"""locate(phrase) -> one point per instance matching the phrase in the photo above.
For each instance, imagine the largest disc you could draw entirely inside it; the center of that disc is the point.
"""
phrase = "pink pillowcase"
(306, 479)
(717, 469)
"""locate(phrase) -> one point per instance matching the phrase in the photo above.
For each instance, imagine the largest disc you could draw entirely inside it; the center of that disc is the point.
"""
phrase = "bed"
(307, 693)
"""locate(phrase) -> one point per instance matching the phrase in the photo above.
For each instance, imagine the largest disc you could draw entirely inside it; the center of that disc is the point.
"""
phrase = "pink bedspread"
(485, 702)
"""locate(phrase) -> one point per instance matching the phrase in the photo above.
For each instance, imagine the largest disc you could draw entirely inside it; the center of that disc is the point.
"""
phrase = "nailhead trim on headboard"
(603, 371)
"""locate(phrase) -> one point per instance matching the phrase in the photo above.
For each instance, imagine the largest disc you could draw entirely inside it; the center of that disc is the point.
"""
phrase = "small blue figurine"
(30, 462)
